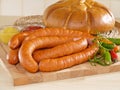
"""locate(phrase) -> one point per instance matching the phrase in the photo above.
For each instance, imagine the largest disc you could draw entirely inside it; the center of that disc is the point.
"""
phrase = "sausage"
(68, 61)
(12, 56)
(61, 50)
(58, 32)
(13, 59)
(28, 47)
(16, 41)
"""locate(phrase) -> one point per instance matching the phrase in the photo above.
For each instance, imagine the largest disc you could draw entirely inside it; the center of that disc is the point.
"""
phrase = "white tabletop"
(109, 81)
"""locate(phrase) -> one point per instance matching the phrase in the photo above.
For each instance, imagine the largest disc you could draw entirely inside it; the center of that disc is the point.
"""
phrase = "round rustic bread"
(83, 15)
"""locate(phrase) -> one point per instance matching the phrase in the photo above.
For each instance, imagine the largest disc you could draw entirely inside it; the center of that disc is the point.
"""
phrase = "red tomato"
(114, 55)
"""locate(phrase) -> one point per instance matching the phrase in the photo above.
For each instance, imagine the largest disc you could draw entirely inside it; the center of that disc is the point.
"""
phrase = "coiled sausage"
(68, 61)
(27, 48)
(61, 50)
(16, 40)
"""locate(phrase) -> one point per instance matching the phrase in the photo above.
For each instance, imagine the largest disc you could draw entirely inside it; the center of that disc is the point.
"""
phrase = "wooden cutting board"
(22, 77)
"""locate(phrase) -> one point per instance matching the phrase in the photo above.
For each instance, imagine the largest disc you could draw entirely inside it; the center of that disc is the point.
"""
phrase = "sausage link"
(28, 47)
(13, 59)
(59, 32)
(61, 50)
(68, 61)
(16, 41)
(12, 56)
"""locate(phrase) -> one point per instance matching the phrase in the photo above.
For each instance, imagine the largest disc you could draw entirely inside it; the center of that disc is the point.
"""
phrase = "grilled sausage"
(59, 32)
(68, 61)
(13, 59)
(27, 48)
(16, 41)
(12, 56)
(61, 50)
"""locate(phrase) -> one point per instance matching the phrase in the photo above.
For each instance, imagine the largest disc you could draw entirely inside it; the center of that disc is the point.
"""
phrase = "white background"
(36, 7)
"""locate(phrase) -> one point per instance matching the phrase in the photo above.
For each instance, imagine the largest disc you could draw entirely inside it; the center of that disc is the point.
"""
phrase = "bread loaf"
(83, 15)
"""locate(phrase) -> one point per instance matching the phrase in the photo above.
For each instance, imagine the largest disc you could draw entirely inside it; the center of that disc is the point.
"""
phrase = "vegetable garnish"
(107, 53)
(115, 40)
(114, 56)
(116, 48)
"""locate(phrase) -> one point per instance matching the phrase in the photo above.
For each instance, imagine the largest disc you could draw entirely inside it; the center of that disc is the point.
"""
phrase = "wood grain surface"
(22, 77)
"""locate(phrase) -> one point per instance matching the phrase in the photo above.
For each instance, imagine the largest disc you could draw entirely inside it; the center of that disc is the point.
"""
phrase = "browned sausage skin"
(58, 32)
(61, 50)
(13, 59)
(27, 48)
(68, 61)
(12, 56)
(16, 41)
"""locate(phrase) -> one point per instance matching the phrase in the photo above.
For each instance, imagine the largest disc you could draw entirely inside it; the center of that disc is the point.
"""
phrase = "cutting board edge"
(66, 75)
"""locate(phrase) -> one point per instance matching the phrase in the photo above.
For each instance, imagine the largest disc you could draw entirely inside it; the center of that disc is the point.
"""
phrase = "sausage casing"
(28, 47)
(16, 40)
(12, 56)
(68, 61)
(61, 50)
